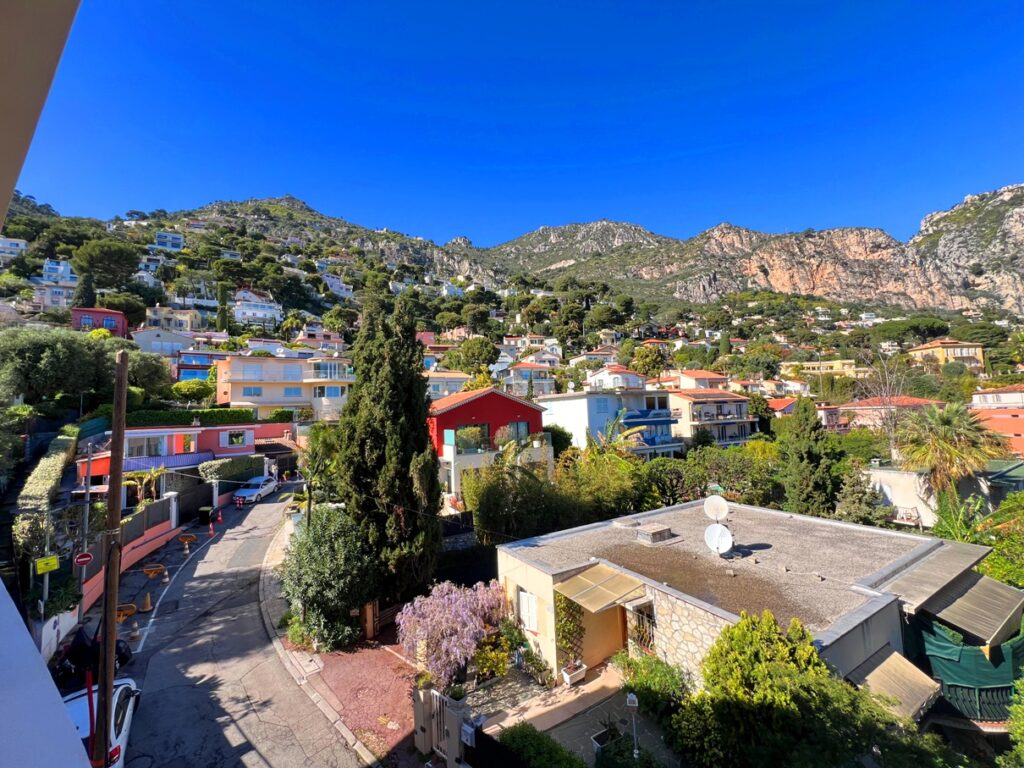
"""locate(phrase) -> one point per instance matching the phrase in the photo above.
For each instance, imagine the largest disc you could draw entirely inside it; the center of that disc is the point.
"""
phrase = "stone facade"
(685, 632)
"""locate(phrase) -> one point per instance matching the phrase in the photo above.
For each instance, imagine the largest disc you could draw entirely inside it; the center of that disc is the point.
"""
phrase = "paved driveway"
(214, 690)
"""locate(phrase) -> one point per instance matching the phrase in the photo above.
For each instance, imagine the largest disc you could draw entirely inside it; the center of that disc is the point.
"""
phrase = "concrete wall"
(605, 633)
(904, 489)
(857, 636)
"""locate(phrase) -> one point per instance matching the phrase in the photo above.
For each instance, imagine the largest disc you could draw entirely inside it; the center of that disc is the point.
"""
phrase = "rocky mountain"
(972, 254)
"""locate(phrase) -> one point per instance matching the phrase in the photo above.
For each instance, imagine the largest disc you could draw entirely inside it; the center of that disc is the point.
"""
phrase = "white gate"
(438, 709)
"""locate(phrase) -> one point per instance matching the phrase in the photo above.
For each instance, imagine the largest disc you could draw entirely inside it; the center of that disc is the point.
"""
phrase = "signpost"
(83, 559)
(46, 564)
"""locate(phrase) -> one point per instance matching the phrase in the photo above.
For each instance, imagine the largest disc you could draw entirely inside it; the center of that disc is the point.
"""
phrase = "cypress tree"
(810, 462)
(223, 317)
(85, 292)
(386, 470)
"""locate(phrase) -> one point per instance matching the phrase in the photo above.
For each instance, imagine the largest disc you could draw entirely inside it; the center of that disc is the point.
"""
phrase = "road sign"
(46, 564)
(82, 559)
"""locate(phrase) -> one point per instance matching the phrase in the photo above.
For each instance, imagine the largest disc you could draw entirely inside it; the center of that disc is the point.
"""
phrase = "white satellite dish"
(718, 538)
(716, 508)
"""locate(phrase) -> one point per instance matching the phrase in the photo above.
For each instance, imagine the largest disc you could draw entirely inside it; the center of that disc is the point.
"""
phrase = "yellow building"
(169, 319)
(267, 384)
(942, 351)
(848, 368)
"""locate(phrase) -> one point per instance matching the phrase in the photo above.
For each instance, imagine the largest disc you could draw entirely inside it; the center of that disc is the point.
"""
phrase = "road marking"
(156, 608)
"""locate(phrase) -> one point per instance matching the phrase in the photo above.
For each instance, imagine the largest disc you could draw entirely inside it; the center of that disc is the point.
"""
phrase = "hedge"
(234, 468)
(208, 417)
(536, 749)
(33, 520)
(43, 482)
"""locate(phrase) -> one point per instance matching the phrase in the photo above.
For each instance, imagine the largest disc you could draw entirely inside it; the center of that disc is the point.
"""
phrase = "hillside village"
(257, 335)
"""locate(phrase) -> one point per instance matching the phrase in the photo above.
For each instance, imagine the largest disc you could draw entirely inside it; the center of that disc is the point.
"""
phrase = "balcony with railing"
(307, 374)
(905, 515)
(642, 416)
(710, 417)
(174, 461)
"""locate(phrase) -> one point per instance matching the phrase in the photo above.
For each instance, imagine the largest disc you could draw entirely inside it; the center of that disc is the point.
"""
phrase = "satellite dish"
(716, 508)
(718, 538)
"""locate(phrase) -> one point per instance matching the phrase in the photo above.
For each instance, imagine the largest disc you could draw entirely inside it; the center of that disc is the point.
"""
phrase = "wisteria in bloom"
(445, 627)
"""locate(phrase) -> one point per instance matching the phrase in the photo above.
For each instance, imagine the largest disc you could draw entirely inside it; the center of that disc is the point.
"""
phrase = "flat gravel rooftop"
(793, 565)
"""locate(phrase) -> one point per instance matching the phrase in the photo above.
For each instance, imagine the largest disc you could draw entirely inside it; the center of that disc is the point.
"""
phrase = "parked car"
(126, 701)
(257, 489)
(82, 654)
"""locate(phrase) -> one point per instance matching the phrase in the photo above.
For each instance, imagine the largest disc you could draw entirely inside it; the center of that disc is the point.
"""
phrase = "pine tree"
(223, 318)
(85, 292)
(386, 471)
(810, 461)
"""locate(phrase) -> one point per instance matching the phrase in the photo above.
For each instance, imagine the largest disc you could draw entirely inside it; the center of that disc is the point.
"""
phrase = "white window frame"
(526, 607)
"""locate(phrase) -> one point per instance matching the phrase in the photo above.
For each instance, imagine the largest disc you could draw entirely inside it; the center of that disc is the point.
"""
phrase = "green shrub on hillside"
(208, 417)
(234, 468)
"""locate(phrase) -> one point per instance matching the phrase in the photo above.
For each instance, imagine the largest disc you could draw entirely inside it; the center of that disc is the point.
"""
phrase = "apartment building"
(267, 384)
(11, 248)
(942, 351)
(252, 308)
(169, 241)
(725, 415)
(171, 319)
(524, 377)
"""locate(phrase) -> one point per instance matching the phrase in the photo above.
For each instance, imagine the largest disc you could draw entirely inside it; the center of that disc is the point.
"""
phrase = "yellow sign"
(46, 564)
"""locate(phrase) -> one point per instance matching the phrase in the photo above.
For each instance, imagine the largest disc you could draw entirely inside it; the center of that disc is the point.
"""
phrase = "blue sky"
(488, 120)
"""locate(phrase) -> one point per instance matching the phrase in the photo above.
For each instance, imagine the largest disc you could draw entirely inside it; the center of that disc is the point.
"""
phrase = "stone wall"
(685, 632)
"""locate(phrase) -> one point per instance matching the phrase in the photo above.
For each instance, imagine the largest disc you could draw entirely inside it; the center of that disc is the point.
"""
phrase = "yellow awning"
(599, 587)
(909, 691)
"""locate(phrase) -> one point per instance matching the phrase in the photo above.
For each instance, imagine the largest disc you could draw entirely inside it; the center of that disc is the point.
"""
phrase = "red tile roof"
(937, 343)
(699, 373)
(780, 403)
(532, 366)
(707, 394)
(1001, 390)
(445, 404)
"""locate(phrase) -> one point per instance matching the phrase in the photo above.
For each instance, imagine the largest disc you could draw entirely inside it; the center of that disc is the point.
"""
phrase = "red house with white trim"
(91, 318)
(466, 429)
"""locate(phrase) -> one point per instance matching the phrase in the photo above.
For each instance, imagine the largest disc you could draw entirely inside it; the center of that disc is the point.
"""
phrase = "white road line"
(156, 608)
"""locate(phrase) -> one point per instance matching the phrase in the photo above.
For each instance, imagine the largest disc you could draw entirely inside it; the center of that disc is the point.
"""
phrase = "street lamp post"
(632, 704)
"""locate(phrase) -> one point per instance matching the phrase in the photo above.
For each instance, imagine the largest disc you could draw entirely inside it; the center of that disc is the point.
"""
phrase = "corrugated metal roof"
(979, 606)
(599, 587)
(891, 675)
(933, 573)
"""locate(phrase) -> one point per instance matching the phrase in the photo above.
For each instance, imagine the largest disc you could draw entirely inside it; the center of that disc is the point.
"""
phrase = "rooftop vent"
(653, 533)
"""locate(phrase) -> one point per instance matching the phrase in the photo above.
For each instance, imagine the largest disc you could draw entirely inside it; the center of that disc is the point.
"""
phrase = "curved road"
(214, 691)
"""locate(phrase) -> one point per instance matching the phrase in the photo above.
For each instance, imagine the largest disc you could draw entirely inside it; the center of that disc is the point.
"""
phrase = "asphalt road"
(214, 691)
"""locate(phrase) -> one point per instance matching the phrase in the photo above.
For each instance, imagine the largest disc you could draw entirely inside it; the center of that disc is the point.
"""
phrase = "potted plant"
(608, 734)
(469, 439)
(503, 436)
(569, 633)
(537, 438)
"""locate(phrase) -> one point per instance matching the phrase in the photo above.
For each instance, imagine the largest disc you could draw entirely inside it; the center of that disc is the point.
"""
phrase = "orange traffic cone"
(211, 529)
(220, 516)
(147, 604)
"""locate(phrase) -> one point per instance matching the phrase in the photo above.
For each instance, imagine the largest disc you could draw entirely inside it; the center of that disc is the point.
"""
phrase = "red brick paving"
(374, 691)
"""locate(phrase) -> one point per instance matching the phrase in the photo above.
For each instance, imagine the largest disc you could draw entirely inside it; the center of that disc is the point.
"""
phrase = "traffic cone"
(167, 577)
(135, 635)
(211, 529)
(220, 516)
(147, 604)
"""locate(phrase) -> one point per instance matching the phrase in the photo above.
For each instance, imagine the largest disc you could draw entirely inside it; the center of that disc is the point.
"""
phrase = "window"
(109, 323)
(121, 705)
(520, 430)
(293, 373)
(527, 603)
(252, 372)
(293, 391)
(236, 438)
(191, 375)
(601, 405)
(332, 391)
(85, 321)
(252, 391)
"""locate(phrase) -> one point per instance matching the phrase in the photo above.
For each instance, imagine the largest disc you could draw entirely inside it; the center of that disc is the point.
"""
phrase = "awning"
(979, 606)
(933, 573)
(890, 675)
(599, 587)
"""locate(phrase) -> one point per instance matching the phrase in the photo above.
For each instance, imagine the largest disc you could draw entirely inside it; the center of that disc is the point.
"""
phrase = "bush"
(16, 417)
(536, 749)
(208, 417)
(281, 416)
(492, 658)
(619, 754)
(660, 687)
(42, 484)
(234, 468)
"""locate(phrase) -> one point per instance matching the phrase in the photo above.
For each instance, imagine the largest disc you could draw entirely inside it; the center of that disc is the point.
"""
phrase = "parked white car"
(257, 489)
(126, 701)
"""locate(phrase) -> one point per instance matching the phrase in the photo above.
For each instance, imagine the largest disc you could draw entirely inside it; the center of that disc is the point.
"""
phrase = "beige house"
(848, 368)
(170, 319)
(723, 413)
(942, 351)
(648, 582)
(267, 384)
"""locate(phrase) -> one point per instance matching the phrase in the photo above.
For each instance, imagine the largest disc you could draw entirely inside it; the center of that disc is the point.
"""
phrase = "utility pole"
(112, 565)
(85, 530)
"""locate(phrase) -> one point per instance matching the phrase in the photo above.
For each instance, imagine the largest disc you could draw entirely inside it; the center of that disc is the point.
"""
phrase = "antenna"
(718, 538)
(716, 508)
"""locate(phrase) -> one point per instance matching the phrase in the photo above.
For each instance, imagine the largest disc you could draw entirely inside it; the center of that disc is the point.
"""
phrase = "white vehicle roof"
(77, 705)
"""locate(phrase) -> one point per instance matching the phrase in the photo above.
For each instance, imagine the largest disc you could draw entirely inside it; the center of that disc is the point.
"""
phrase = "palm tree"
(948, 443)
(615, 440)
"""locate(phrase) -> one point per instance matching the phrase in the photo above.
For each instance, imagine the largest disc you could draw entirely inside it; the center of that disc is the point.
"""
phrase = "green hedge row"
(234, 468)
(43, 482)
(208, 417)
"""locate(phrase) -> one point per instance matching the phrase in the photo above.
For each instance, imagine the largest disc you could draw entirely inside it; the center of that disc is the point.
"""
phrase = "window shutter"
(250, 437)
(224, 438)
